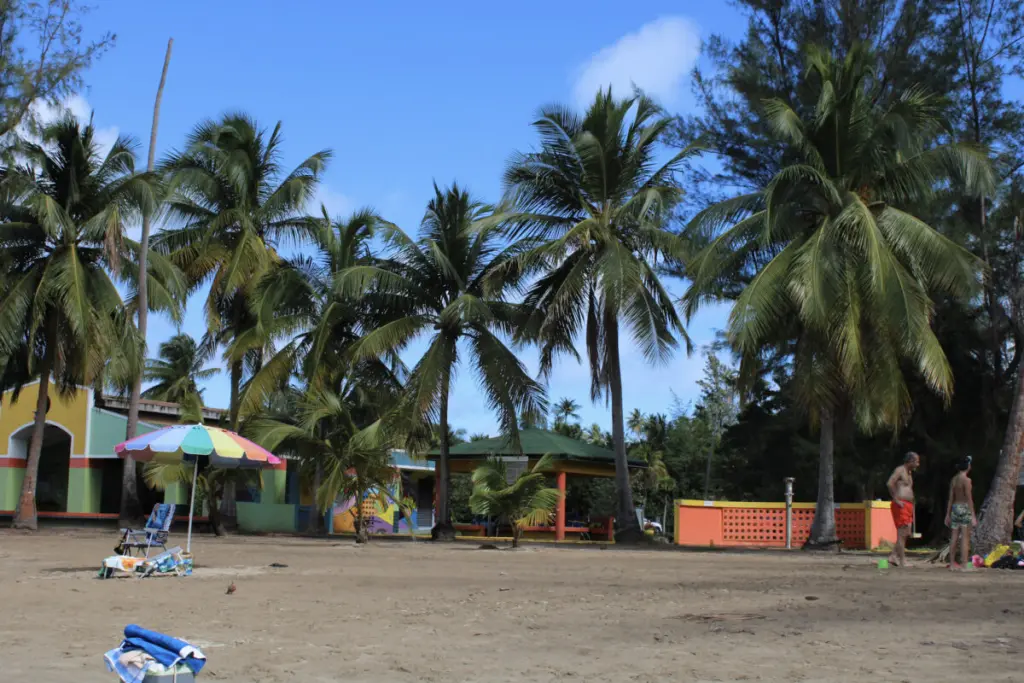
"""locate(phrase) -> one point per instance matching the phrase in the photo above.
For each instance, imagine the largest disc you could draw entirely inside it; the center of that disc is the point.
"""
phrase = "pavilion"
(572, 456)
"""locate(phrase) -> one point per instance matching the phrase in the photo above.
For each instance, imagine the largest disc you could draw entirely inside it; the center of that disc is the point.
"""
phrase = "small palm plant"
(211, 483)
(528, 501)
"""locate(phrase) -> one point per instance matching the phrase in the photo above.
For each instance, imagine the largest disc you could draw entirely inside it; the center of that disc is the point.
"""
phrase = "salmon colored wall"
(699, 526)
(71, 414)
(880, 527)
(716, 523)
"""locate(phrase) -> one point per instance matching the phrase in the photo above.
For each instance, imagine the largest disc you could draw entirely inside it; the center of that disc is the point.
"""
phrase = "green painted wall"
(108, 430)
(275, 486)
(177, 494)
(84, 485)
(266, 517)
(10, 486)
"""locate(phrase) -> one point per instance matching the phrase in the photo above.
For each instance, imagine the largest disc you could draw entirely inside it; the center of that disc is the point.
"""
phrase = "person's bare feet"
(955, 567)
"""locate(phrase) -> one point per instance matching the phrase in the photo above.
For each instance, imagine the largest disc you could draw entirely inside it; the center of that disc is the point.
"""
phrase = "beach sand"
(399, 611)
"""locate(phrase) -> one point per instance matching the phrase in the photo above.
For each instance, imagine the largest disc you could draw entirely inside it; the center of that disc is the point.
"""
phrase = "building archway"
(54, 462)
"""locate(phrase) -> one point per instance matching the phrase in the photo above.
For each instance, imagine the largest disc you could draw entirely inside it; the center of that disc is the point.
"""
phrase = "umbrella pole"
(191, 507)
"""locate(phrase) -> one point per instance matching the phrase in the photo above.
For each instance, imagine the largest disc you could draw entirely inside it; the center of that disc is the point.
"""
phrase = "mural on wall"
(378, 509)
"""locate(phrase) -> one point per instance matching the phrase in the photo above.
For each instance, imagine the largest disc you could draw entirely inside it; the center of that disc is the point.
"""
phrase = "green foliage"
(42, 56)
(525, 502)
(444, 285)
(235, 205)
(179, 370)
(326, 429)
(210, 483)
(592, 205)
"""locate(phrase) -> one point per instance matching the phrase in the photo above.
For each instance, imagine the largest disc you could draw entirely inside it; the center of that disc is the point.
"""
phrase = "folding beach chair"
(154, 535)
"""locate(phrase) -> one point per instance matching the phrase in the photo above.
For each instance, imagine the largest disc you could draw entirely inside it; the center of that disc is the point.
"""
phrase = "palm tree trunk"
(213, 503)
(823, 528)
(236, 388)
(131, 509)
(443, 529)
(628, 528)
(515, 535)
(25, 513)
(228, 505)
(316, 517)
(707, 475)
(996, 520)
(361, 535)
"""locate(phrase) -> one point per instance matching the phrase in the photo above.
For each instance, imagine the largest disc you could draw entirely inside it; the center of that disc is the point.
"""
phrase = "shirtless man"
(901, 489)
(960, 513)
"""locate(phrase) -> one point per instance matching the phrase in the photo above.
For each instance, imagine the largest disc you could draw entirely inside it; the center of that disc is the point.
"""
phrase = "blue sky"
(405, 93)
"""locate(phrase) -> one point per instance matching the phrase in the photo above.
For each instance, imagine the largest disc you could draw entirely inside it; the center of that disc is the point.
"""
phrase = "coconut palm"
(179, 370)
(63, 208)
(565, 410)
(298, 305)
(828, 262)
(343, 434)
(527, 501)
(236, 206)
(599, 202)
(442, 284)
(636, 423)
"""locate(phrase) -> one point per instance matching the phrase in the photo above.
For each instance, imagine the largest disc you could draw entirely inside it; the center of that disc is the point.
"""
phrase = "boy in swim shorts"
(960, 514)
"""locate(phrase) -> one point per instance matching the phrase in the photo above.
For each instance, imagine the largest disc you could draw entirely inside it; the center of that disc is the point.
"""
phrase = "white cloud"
(105, 137)
(336, 203)
(657, 59)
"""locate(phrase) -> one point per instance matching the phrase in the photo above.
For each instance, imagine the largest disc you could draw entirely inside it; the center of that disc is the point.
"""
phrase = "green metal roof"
(535, 443)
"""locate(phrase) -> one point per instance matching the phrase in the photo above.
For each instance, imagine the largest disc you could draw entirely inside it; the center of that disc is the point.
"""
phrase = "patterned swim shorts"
(960, 516)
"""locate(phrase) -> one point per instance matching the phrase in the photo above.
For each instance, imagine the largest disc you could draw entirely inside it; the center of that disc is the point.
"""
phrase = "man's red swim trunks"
(903, 515)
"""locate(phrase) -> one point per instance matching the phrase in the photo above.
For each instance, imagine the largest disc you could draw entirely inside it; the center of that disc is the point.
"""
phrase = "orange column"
(560, 510)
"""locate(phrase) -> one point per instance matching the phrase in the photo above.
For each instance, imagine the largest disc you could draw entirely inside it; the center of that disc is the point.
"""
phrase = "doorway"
(52, 482)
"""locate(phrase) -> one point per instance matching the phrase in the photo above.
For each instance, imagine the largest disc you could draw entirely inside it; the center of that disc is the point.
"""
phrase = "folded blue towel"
(162, 648)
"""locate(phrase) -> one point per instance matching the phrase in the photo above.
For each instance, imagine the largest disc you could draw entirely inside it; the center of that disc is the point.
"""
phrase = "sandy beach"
(402, 612)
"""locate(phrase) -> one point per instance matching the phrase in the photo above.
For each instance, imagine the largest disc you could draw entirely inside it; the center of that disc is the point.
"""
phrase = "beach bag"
(1005, 562)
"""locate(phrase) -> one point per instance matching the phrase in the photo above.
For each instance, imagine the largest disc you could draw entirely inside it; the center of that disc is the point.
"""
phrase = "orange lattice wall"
(763, 525)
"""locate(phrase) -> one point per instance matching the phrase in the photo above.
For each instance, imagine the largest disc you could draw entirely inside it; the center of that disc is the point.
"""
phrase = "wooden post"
(560, 509)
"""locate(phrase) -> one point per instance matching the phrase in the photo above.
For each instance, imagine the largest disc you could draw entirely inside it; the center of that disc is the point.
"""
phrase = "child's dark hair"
(963, 464)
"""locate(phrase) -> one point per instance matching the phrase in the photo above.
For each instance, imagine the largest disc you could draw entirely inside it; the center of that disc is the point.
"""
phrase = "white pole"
(191, 506)
(789, 512)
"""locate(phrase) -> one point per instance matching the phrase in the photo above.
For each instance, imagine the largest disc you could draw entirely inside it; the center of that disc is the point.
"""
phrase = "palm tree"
(826, 261)
(443, 284)
(599, 202)
(527, 501)
(237, 206)
(533, 419)
(131, 509)
(596, 435)
(636, 423)
(64, 209)
(179, 370)
(299, 302)
(331, 429)
(565, 410)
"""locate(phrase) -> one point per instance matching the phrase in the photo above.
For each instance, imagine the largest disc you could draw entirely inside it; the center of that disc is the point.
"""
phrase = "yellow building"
(79, 473)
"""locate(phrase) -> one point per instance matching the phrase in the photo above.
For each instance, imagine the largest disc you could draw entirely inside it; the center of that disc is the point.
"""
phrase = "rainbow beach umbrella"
(188, 443)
